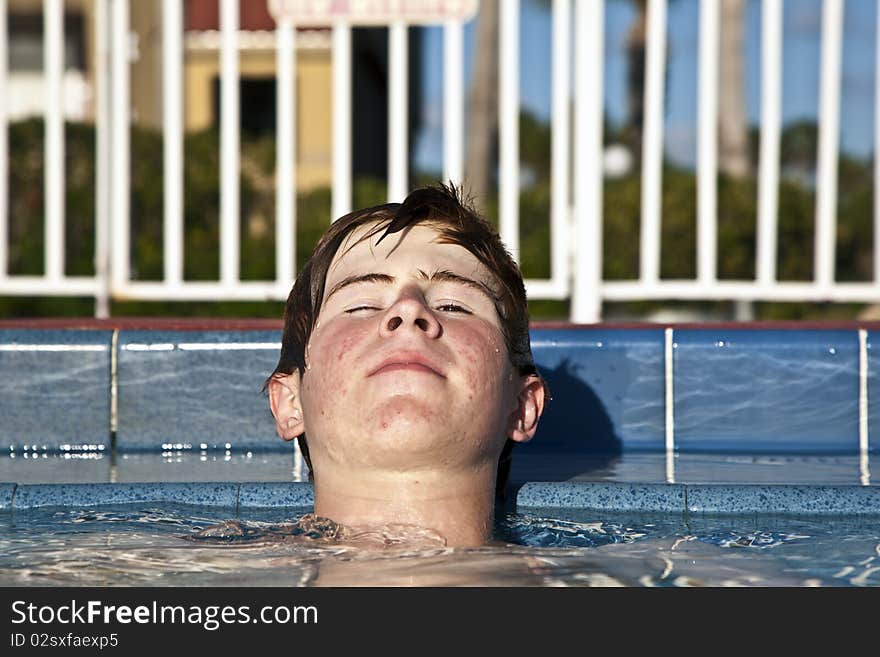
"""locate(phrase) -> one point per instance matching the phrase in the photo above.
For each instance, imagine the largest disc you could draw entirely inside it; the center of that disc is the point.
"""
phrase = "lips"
(407, 362)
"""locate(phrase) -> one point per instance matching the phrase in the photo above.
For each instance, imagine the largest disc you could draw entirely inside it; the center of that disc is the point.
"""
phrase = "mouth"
(407, 363)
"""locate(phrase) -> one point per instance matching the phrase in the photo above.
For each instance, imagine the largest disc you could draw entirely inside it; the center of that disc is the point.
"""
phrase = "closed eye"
(453, 308)
(351, 311)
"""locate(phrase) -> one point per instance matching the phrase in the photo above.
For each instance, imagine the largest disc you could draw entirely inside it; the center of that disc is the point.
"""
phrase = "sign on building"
(372, 12)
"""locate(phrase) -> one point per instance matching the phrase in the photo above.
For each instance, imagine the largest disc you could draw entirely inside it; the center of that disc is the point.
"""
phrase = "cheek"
(484, 360)
(339, 346)
(340, 350)
(331, 354)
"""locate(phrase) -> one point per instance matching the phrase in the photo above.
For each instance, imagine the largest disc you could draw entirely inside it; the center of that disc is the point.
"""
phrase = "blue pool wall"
(758, 388)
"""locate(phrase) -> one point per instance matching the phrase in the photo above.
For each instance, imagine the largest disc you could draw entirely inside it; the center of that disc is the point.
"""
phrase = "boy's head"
(423, 308)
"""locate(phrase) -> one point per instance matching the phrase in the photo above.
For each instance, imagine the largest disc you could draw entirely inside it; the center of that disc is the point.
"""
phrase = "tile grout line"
(670, 411)
(863, 390)
(864, 474)
(114, 378)
(114, 401)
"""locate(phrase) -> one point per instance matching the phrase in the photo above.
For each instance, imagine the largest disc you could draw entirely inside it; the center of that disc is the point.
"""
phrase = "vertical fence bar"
(652, 142)
(453, 102)
(560, 206)
(53, 66)
(876, 157)
(707, 142)
(341, 195)
(768, 167)
(586, 304)
(119, 144)
(172, 119)
(508, 125)
(4, 147)
(102, 158)
(342, 185)
(829, 122)
(285, 179)
(397, 111)
(229, 143)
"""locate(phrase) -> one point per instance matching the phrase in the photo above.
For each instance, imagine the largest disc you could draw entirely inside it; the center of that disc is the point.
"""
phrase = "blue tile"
(31, 496)
(766, 391)
(194, 388)
(606, 387)
(813, 500)
(55, 389)
(7, 493)
(276, 494)
(602, 496)
(874, 391)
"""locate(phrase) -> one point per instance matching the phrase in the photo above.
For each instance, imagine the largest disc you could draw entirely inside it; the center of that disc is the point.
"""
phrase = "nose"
(410, 313)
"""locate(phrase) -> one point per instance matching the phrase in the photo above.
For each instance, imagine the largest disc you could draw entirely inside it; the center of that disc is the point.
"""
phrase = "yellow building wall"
(313, 104)
(314, 129)
(145, 72)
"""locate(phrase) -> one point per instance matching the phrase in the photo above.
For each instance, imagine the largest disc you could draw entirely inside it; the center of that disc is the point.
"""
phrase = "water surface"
(178, 545)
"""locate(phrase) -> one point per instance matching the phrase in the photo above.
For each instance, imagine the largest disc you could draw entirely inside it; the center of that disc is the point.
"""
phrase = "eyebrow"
(359, 278)
(446, 276)
(439, 276)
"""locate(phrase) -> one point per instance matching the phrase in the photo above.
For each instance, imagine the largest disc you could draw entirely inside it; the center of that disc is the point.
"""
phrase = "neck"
(457, 505)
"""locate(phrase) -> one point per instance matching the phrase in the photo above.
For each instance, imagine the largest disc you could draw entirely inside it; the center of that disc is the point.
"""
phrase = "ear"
(284, 400)
(523, 421)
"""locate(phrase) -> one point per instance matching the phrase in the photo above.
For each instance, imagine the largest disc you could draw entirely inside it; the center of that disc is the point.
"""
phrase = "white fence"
(576, 205)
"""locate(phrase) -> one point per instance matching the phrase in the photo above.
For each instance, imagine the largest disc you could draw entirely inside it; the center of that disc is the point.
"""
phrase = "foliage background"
(737, 202)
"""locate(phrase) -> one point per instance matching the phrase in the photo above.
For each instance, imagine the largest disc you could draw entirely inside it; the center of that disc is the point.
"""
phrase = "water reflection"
(180, 547)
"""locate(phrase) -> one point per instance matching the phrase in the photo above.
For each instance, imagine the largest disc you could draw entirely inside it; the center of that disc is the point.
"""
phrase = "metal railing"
(576, 200)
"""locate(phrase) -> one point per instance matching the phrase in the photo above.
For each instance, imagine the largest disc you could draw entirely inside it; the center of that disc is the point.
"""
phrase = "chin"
(402, 413)
(407, 425)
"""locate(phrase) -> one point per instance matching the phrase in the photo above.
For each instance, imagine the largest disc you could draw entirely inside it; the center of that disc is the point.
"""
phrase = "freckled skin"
(407, 419)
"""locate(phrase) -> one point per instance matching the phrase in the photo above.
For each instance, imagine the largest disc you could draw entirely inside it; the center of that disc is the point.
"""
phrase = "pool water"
(181, 545)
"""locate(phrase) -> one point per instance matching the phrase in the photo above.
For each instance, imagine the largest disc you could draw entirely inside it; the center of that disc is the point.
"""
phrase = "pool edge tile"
(275, 494)
(31, 496)
(790, 499)
(602, 496)
(7, 494)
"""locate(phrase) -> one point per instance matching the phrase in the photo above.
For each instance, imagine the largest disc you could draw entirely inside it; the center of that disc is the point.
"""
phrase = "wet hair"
(445, 210)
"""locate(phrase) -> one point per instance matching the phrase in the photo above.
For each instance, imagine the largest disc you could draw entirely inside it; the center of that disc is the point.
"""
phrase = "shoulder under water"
(315, 530)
